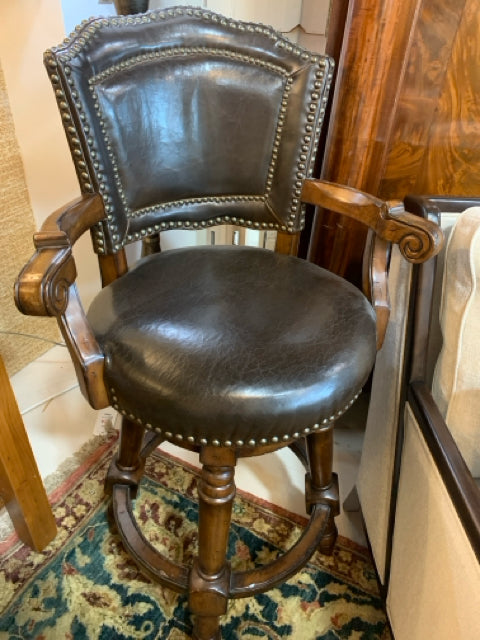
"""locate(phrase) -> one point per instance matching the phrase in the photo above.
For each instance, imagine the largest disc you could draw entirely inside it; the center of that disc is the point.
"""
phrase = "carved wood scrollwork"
(43, 285)
(418, 239)
(56, 286)
(46, 287)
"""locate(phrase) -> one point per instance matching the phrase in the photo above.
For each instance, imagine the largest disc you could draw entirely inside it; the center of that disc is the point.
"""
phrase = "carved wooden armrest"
(418, 239)
(46, 287)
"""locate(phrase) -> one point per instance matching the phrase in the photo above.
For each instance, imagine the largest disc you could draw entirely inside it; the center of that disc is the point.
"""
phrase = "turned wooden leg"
(127, 466)
(210, 575)
(321, 483)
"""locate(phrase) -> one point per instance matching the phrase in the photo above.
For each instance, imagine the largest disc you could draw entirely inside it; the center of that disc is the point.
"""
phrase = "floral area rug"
(84, 586)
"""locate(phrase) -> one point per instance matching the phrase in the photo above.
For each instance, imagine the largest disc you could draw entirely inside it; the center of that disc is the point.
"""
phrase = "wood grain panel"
(428, 64)
(451, 163)
(371, 70)
(369, 77)
(406, 115)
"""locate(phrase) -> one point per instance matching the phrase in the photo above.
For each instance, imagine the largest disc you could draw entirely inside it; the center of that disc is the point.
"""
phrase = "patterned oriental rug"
(84, 586)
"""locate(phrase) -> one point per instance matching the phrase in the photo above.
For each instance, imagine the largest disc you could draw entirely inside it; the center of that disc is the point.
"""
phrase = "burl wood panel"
(451, 163)
(406, 115)
(429, 124)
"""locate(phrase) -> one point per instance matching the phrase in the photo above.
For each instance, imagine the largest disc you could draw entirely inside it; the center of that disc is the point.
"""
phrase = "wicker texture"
(18, 227)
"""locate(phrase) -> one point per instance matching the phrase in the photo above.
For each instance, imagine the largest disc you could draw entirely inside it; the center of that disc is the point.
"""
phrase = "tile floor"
(58, 421)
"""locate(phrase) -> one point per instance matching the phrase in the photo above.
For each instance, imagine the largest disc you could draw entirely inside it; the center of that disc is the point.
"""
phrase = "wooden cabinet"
(405, 113)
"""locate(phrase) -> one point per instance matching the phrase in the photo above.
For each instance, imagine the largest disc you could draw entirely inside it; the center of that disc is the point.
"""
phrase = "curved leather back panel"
(182, 118)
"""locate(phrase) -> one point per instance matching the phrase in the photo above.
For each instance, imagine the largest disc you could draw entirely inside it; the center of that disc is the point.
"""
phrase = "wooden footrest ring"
(242, 583)
(248, 583)
(151, 561)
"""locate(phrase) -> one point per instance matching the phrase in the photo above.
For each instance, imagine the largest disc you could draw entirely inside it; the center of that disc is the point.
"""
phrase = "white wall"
(311, 16)
(283, 15)
(74, 11)
(27, 28)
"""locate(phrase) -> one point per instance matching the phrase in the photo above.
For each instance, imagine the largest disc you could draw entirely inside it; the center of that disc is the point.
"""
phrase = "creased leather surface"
(177, 120)
(233, 342)
(186, 116)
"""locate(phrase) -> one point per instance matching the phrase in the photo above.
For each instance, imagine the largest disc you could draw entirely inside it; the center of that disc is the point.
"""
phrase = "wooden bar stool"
(185, 119)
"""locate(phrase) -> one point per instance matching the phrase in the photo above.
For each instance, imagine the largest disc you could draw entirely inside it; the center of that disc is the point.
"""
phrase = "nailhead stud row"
(176, 52)
(68, 122)
(79, 41)
(179, 52)
(202, 224)
(87, 181)
(202, 441)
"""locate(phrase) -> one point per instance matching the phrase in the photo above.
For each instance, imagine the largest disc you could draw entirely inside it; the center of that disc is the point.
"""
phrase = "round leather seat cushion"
(232, 344)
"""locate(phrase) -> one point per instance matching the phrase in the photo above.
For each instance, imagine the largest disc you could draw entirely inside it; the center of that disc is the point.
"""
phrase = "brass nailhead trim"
(183, 52)
(228, 443)
(79, 41)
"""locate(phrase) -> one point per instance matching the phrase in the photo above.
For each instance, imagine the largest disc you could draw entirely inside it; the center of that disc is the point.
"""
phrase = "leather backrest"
(182, 118)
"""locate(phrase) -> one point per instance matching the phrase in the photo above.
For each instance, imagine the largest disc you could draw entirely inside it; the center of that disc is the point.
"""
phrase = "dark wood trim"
(287, 243)
(335, 34)
(422, 289)
(337, 19)
(428, 207)
(434, 204)
(112, 266)
(129, 7)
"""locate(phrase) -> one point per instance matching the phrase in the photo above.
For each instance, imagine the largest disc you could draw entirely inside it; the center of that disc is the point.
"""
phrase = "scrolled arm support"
(418, 239)
(42, 288)
(64, 226)
(46, 287)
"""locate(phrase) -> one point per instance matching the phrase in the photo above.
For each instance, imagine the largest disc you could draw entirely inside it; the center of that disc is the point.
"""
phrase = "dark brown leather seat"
(184, 119)
(233, 345)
